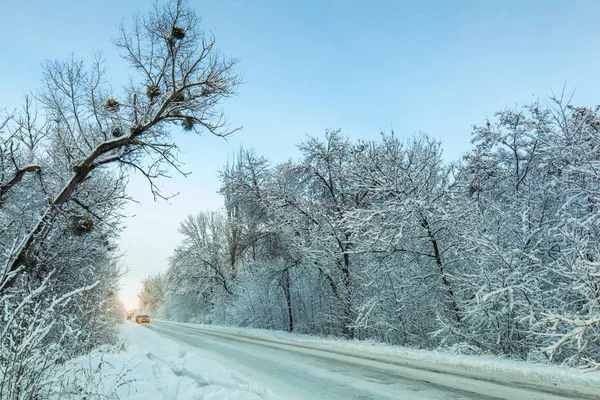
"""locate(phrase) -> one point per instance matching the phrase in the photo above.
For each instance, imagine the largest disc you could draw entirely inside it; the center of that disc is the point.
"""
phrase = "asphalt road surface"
(301, 372)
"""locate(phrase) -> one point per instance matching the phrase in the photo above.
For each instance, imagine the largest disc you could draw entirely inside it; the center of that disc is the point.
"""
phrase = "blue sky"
(431, 66)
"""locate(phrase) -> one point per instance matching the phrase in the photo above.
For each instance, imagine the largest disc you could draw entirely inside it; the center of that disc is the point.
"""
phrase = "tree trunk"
(347, 331)
(438, 260)
(288, 298)
(37, 234)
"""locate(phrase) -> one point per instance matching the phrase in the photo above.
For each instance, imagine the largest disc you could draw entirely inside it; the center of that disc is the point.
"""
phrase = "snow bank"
(153, 367)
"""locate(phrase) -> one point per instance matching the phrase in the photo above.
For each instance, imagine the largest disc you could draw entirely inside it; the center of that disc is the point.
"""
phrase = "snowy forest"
(64, 162)
(496, 253)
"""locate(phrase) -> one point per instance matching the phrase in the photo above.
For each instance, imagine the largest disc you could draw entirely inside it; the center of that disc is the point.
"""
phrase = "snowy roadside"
(496, 369)
(153, 367)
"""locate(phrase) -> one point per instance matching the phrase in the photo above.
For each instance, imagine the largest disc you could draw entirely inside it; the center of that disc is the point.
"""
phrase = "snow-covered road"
(293, 371)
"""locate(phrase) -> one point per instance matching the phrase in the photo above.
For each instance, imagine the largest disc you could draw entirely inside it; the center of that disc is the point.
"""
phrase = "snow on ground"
(153, 367)
(493, 368)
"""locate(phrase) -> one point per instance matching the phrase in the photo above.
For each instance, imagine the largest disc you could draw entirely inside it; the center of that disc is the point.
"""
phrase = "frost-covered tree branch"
(181, 79)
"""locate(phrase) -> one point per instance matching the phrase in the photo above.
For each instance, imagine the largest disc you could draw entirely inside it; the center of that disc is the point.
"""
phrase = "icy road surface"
(292, 371)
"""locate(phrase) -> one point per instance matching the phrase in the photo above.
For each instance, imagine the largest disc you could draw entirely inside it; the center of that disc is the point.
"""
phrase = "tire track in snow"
(181, 371)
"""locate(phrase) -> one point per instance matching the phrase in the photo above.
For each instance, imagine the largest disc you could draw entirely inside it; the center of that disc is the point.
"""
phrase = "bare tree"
(180, 78)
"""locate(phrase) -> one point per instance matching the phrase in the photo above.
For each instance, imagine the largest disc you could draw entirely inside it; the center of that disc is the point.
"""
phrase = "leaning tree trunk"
(24, 252)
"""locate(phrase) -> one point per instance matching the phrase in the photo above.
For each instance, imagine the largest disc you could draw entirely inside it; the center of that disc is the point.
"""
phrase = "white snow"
(156, 367)
(153, 367)
(492, 368)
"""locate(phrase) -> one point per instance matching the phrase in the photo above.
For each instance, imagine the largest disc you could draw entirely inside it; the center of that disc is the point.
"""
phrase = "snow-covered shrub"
(92, 377)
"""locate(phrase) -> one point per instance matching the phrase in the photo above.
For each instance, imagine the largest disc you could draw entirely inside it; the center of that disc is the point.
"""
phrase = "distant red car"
(142, 318)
